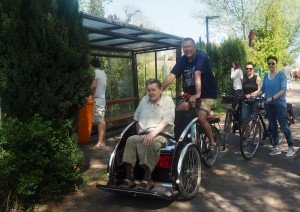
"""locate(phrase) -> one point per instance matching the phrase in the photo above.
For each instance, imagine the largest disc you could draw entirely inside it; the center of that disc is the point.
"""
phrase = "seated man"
(155, 114)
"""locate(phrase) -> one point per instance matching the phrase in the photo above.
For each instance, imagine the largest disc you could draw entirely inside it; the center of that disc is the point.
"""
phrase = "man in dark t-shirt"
(198, 81)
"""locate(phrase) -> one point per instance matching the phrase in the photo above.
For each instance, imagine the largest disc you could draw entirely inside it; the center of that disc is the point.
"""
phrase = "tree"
(240, 17)
(94, 7)
(45, 61)
(235, 15)
(272, 33)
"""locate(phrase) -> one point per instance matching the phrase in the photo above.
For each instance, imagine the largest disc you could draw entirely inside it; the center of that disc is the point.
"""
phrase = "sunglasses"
(271, 64)
(249, 68)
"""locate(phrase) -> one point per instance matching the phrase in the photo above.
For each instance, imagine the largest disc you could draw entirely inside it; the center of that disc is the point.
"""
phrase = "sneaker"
(212, 151)
(291, 151)
(276, 151)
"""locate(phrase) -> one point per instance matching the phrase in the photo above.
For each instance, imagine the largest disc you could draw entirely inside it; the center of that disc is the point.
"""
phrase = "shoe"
(276, 151)
(146, 185)
(291, 151)
(128, 184)
(212, 150)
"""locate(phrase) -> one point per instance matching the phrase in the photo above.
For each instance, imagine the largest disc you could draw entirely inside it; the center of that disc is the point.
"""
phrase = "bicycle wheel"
(228, 125)
(190, 172)
(210, 157)
(250, 138)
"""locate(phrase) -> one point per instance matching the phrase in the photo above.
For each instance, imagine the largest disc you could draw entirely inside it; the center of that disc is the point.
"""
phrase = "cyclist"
(274, 87)
(198, 81)
(250, 85)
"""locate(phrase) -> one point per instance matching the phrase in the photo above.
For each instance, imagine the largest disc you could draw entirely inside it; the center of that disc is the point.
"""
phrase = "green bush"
(44, 59)
(37, 162)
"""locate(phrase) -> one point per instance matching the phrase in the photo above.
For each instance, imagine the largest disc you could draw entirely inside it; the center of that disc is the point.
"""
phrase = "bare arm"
(149, 137)
(94, 86)
(197, 86)
(169, 78)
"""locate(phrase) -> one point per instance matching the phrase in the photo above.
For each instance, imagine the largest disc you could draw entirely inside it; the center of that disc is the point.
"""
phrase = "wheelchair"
(178, 171)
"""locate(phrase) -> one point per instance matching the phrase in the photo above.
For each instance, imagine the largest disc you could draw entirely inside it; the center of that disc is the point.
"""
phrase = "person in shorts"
(198, 81)
(98, 88)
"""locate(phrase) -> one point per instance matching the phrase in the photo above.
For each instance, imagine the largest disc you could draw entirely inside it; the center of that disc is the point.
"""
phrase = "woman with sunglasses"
(250, 85)
(274, 87)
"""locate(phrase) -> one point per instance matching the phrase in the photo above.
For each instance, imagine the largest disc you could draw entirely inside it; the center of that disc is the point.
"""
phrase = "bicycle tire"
(250, 137)
(190, 174)
(208, 159)
(228, 125)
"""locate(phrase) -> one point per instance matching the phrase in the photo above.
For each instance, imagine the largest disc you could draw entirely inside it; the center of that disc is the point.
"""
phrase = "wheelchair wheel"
(250, 138)
(228, 126)
(210, 157)
(190, 173)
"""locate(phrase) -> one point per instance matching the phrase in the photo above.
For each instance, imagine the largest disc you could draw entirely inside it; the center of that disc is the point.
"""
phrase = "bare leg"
(206, 126)
(101, 134)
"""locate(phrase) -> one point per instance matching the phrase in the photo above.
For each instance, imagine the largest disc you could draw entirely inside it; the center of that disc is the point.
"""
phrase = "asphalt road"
(264, 183)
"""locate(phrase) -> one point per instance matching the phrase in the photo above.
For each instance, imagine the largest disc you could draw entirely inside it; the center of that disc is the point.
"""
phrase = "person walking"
(98, 89)
(274, 87)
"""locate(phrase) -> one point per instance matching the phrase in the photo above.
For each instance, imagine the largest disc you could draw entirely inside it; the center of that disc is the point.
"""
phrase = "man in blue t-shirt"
(198, 81)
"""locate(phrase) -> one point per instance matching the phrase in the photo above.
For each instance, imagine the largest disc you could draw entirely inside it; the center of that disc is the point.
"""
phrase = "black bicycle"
(255, 130)
(233, 122)
(199, 137)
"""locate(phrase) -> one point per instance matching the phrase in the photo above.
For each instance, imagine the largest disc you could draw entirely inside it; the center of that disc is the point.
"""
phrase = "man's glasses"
(271, 64)
(249, 68)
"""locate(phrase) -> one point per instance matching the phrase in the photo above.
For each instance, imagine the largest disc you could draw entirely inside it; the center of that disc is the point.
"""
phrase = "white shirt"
(150, 116)
(99, 94)
(237, 77)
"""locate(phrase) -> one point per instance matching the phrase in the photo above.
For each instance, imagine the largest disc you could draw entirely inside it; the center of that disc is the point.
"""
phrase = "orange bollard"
(85, 121)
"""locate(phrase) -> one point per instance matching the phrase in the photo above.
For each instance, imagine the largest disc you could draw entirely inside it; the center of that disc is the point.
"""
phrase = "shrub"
(44, 59)
(37, 162)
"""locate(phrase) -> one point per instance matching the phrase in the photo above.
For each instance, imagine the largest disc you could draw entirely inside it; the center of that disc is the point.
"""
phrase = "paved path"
(264, 183)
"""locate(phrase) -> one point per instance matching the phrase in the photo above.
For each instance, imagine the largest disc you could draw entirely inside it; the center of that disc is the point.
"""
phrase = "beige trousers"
(147, 154)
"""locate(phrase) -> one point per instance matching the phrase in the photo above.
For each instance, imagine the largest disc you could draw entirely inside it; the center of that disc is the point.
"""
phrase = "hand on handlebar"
(269, 100)
(193, 98)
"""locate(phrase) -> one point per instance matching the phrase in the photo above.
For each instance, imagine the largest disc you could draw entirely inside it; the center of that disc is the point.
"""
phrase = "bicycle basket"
(227, 99)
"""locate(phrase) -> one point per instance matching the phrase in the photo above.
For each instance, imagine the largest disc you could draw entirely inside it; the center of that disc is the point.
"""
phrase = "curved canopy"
(116, 36)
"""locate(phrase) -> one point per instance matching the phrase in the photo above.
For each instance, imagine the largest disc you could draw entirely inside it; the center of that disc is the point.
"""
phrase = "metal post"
(207, 31)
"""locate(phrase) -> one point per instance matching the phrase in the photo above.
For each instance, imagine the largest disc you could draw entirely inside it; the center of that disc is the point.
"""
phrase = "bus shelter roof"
(106, 34)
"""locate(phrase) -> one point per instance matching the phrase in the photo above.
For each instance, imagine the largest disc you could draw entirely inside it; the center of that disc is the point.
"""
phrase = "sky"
(170, 16)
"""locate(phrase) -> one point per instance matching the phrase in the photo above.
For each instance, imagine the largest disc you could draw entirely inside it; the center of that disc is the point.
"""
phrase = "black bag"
(290, 114)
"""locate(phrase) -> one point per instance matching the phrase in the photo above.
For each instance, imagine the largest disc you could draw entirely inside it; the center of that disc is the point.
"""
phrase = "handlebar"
(186, 97)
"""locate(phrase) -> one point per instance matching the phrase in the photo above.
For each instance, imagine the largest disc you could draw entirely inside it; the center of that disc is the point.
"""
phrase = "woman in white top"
(237, 77)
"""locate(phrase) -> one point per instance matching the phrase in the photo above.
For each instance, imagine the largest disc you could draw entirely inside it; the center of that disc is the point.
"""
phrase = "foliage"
(235, 16)
(239, 17)
(272, 34)
(44, 58)
(94, 7)
(37, 162)
(221, 58)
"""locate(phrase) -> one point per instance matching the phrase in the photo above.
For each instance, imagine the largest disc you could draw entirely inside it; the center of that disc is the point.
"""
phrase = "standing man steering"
(198, 81)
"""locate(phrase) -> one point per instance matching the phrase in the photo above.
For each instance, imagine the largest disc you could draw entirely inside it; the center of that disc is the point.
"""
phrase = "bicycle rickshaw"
(178, 172)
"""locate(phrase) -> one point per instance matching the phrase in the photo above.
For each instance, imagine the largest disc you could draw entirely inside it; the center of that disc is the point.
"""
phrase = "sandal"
(146, 185)
(128, 184)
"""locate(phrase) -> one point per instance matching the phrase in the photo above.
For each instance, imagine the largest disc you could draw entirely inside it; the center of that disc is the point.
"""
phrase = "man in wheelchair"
(154, 115)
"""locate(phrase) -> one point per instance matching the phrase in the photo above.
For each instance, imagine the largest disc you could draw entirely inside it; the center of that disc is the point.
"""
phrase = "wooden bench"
(117, 119)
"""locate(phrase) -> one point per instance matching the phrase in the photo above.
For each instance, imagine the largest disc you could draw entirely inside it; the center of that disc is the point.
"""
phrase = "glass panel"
(146, 69)
(119, 84)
